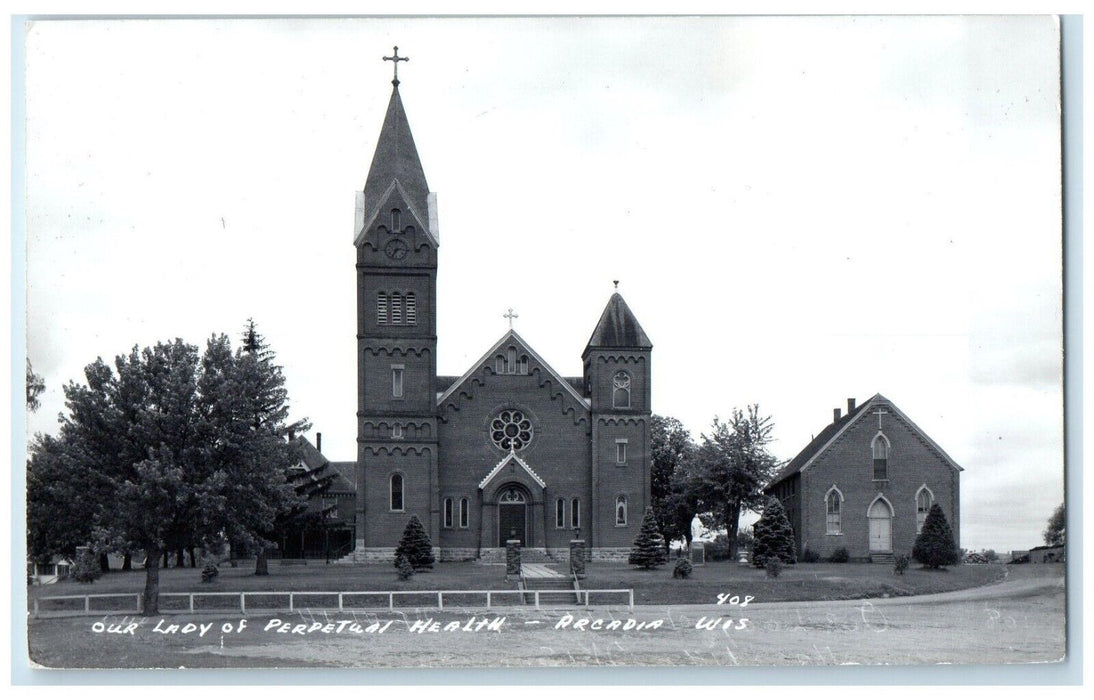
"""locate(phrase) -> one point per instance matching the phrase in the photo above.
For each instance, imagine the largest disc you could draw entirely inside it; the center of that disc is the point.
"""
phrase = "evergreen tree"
(732, 466)
(404, 567)
(774, 538)
(264, 384)
(649, 546)
(35, 386)
(1056, 533)
(935, 548)
(415, 546)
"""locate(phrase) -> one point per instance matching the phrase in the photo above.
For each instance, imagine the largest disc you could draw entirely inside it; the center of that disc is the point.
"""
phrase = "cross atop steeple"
(395, 59)
(510, 315)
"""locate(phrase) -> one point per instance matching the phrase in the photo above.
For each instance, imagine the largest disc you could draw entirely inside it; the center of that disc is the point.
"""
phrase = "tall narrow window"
(522, 365)
(621, 451)
(575, 513)
(381, 309)
(396, 310)
(620, 510)
(448, 512)
(499, 365)
(560, 513)
(397, 492)
(397, 431)
(397, 381)
(511, 363)
(465, 511)
(621, 390)
(833, 503)
(396, 221)
(881, 457)
(923, 501)
(411, 309)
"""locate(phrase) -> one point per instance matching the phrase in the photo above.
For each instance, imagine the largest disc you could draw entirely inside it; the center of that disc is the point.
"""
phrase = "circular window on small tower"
(511, 430)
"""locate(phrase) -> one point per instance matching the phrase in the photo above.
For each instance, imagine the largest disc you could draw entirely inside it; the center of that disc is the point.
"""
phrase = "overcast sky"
(799, 210)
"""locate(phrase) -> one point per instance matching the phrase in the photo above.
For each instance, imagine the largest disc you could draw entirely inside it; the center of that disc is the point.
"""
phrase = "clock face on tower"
(396, 249)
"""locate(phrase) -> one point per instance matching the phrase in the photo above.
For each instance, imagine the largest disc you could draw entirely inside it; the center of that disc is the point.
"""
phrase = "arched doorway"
(512, 515)
(880, 516)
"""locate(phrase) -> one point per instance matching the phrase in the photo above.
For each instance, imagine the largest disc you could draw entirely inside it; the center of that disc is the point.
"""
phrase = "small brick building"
(866, 483)
(508, 450)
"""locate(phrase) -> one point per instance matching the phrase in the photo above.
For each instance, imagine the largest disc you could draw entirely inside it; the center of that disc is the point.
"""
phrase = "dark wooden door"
(511, 523)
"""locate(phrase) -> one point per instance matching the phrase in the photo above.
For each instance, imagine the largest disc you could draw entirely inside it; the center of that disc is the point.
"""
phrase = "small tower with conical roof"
(617, 380)
(396, 239)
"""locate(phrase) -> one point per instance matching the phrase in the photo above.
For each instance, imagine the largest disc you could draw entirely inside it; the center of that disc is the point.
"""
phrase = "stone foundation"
(487, 555)
(609, 553)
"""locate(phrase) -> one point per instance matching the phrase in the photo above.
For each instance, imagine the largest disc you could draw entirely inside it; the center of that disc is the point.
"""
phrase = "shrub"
(774, 536)
(935, 548)
(649, 546)
(774, 567)
(840, 556)
(809, 556)
(415, 546)
(209, 573)
(86, 568)
(404, 567)
(682, 569)
(901, 564)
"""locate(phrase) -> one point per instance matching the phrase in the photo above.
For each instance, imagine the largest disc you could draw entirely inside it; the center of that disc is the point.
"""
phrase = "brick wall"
(848, 464)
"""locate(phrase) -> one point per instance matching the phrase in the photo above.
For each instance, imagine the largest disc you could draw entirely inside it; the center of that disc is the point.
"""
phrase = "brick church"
(866, 482)
(508, 450)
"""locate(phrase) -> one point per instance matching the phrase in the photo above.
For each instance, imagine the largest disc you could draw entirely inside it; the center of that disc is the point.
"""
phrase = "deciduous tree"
(674, 502)
(1056, 532)
(732, 465)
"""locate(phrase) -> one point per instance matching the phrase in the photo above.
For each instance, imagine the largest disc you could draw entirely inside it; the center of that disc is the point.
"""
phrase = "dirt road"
(1016, 621)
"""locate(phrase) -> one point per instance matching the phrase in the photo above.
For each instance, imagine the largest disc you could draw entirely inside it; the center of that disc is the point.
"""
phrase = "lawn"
(800, 582)
(822, 581)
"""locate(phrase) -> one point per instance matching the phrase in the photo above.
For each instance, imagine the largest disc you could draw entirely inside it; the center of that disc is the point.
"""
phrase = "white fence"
(260, 601)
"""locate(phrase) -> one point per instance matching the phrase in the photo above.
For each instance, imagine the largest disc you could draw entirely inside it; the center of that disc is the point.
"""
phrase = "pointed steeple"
(618, 328)
(396, 159)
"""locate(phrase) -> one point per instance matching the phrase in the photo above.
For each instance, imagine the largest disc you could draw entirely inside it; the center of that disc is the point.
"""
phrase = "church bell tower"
(395, 234)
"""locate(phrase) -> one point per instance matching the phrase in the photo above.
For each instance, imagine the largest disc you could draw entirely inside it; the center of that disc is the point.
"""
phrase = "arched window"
(620, 510)
(396, 309)
(575, 513)
(448, 512)
(880, 448)
(832, 503)
(522, 365)
(511, 364)
(411, 309)
(465, 511)
(397, 492)
(396, 220)
(560, 513)
(499, 365)
(621, 390)
(923, 501)
(381, 309)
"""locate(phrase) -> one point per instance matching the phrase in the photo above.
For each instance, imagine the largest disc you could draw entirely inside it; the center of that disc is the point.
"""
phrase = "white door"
(881, 527)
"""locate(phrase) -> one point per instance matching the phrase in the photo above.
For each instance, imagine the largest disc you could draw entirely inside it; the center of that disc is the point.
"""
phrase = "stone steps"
(882, 559)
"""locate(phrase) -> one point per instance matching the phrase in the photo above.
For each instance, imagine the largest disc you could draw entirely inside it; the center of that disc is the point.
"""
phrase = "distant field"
(799, 582)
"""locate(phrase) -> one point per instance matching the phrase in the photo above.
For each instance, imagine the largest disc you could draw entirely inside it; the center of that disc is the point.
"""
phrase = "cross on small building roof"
(395, 59)
(510, 315)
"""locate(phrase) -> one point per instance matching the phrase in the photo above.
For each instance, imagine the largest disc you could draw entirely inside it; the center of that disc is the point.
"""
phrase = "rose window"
(511, 430)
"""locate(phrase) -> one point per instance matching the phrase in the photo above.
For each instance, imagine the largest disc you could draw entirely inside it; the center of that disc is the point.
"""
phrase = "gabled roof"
(618, 328)
(512, 336)
(835, 429)
(396, 158)
(376, 207)
(511, 457)
(317, 468)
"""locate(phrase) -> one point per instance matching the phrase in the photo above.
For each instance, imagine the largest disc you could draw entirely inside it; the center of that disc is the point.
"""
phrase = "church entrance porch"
(512, 517)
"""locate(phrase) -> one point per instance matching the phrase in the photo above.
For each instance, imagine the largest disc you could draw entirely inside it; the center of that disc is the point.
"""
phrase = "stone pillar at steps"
(512, 560)
(577, 557)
